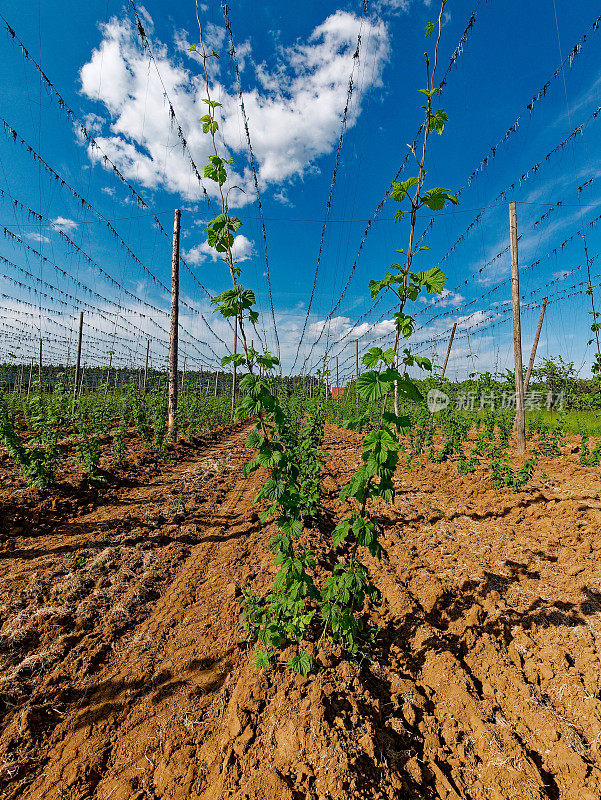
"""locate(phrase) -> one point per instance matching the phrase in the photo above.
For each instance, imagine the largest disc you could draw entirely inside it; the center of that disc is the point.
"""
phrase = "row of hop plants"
(492, 430)
(453, 430)
(299, 607)
(37, 430)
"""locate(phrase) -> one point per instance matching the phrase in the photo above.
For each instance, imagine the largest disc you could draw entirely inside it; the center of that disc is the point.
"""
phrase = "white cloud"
(294, 112)
(340, 327)
(282, 197)
(397, 6)
(37, 237)
(243, 51)
(148, 21)
(447, 298)
(394, 6)
(295, 115)
(489, 349)
(477, 318)
(242, 250)
(93, 123)
(64, 224)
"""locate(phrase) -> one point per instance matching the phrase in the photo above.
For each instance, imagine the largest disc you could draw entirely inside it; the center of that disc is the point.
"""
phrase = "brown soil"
(123, 674)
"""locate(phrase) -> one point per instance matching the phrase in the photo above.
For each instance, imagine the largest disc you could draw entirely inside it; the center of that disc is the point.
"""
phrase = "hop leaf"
(262, 659)
(373, 355)
(400, 189)
(436, 198)
(301, 663)
(340, 532)
(237, 359)
(373, 386)
(433, 280)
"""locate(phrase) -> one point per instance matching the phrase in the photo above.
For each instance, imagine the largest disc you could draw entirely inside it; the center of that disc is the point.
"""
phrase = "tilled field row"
(90, 642)
(134, 682)
(492, 630)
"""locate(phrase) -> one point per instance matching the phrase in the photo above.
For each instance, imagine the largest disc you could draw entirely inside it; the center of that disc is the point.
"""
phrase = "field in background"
(125, 671)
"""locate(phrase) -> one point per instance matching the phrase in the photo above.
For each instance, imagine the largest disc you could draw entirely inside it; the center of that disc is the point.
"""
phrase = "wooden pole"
(520, 424)
(108, 376)
(146, 365)
(66, 372)
(234, 371)
(174, 323)
(30, 377)
(357, 373)
(216, 377)
(446, 361)
(184, 376)
(21, 379)
(535, 345)
(40, 366)
(78, 361)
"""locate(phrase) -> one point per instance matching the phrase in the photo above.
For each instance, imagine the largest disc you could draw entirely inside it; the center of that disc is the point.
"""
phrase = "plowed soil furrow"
(491, 630)
(125, 676)
(168, 661)
(172, 663)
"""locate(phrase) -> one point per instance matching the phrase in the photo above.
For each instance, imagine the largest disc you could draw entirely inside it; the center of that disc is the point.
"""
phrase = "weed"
(74, 563)
(502, 474)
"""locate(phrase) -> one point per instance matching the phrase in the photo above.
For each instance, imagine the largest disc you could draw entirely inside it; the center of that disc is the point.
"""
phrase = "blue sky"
(295, 68)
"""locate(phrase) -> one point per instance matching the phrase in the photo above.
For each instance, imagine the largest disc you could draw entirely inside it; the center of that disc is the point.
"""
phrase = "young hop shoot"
(283, 616)
(346, 589)
(296, 610)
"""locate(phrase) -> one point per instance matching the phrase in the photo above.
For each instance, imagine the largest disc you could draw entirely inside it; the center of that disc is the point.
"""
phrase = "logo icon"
(437, 400)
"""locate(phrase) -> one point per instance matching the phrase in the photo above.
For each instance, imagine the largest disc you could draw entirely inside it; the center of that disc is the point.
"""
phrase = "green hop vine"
(347, 588)
(285, 614)
(295, 608)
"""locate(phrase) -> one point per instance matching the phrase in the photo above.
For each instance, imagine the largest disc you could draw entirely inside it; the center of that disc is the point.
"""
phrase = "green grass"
(589, 420)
